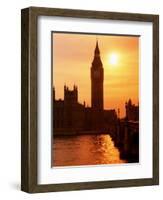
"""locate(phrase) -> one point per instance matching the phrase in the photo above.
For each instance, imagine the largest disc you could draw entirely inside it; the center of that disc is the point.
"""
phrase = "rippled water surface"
(84, 150)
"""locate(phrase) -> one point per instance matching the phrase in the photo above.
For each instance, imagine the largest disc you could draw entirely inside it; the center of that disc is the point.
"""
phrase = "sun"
(113, 59)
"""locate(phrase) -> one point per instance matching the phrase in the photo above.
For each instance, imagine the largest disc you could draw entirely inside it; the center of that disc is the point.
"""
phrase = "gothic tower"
(97, 78)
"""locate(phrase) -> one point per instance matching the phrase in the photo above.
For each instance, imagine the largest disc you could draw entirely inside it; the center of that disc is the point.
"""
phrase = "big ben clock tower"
(97, 78)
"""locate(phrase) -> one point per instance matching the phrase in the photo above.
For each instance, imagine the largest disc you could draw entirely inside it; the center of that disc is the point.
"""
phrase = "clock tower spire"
(97, 78)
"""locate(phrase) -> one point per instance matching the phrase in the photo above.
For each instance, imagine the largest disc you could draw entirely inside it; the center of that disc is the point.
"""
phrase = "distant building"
(68, 113)
(127, 136)
(132, 111)
(70, 116)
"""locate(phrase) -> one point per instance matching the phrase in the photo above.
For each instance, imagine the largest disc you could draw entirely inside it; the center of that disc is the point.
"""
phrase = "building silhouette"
(127, 135)
(97, 79)
(72, 117)
(68, 113)
(132, 111)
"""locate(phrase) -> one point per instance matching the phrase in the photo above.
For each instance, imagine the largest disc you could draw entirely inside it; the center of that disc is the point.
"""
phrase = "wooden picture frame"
(29, 172)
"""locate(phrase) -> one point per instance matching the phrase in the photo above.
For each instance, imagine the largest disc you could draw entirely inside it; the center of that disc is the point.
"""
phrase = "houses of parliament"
(72, 117)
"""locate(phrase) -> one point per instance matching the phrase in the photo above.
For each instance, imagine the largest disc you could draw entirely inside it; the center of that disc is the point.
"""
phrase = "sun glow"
(113, 59)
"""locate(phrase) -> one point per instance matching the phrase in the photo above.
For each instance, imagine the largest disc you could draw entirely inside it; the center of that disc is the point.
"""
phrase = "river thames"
(85, 150)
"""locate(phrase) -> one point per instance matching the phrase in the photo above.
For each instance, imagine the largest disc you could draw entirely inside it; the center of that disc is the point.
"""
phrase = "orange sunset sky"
(72, 58)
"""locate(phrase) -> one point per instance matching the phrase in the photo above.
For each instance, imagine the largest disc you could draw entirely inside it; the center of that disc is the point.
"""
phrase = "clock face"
(96, 74)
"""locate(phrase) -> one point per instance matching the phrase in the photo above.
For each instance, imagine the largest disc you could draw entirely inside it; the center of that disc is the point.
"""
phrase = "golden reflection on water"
(85, 150)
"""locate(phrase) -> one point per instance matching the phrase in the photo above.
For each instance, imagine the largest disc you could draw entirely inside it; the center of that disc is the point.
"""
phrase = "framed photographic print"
(90, 99)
